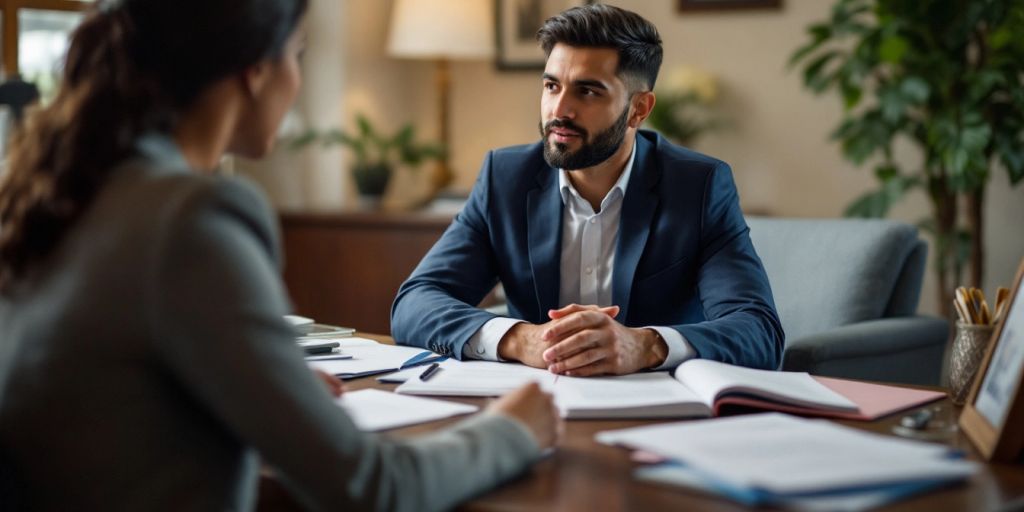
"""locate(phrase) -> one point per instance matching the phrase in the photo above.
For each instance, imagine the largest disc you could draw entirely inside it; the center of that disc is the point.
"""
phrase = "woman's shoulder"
(172, 201)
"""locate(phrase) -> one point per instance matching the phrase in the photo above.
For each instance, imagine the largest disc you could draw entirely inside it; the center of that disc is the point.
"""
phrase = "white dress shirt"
(587, 262)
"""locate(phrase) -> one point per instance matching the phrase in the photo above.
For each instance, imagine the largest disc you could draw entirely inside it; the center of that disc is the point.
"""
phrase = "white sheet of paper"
(785, 455)
(372, 409)
(367, 356)
(477, 378)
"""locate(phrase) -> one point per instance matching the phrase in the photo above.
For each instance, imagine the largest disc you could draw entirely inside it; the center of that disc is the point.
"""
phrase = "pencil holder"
(969, 345)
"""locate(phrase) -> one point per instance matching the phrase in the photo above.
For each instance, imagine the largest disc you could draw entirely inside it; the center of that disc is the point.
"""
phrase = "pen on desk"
(329, 357)
(429, 372)
(918, 420)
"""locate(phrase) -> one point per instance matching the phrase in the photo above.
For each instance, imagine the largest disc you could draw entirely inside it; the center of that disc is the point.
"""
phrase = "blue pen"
(429, 372)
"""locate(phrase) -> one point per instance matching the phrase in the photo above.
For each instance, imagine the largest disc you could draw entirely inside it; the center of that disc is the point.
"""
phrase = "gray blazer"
(146, 362)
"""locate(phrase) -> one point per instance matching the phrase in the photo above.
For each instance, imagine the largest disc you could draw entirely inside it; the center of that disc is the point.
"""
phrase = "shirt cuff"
(484, 343)
(678, 348)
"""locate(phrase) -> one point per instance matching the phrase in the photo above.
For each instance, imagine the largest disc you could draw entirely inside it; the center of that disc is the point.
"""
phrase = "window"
(35, 38)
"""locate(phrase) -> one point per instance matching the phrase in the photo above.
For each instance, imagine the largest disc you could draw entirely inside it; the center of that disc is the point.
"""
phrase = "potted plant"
(376, 155)
(944, 75)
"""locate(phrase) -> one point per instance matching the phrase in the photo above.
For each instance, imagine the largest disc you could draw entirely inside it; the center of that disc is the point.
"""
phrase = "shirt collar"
(161, 148)
(566, 188)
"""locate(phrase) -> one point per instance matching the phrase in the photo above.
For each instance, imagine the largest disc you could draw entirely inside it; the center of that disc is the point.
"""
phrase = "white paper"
(709, 379)
(649, 395)
(786, 455)
(402, 375)
(372, 409)
(477, 378)
(367, 356)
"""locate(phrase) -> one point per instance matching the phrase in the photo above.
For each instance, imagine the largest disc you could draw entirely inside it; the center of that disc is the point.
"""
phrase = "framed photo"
(719, 5)
(516, 25)
(993, 418)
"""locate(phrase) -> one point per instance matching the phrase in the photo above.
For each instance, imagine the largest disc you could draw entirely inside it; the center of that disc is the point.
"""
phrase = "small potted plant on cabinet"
(377, 155)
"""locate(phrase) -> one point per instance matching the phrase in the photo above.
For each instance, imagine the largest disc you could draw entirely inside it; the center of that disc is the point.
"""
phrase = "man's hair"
(606, 26)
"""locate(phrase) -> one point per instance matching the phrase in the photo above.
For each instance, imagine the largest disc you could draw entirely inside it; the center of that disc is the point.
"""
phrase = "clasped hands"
(581, 341)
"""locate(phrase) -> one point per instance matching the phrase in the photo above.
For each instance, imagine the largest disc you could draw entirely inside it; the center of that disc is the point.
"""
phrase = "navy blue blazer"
(683, 258)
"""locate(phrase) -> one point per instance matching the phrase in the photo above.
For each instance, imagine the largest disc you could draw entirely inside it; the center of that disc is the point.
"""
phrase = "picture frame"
(721, 5)
(993, 417)
(515, 28)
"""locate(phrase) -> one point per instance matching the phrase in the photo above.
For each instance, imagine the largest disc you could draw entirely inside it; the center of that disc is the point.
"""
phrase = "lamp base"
(441, 176)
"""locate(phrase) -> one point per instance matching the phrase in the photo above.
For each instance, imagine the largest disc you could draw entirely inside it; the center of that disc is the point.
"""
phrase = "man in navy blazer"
(617, 250)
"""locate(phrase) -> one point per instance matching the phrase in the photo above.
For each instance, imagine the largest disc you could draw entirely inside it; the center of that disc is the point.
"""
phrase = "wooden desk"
(588, 477)
(344, 268)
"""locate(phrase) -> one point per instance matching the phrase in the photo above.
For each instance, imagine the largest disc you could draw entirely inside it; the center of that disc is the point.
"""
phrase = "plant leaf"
(915, 89)
(303, 139)
(814, 77)
(892, 49)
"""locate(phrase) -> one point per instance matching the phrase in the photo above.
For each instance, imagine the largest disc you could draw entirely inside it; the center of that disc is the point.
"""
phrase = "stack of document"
(779, 460)
(307, 328)
(359, 357)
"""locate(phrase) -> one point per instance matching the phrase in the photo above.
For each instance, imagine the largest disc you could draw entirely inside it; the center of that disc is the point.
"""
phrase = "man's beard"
(591, 153)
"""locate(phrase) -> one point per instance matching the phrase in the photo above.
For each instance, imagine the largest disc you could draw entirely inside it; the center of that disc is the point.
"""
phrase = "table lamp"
(442, 30)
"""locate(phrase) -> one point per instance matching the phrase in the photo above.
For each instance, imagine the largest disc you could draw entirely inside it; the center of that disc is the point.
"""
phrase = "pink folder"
(877, 400)
(874, 400)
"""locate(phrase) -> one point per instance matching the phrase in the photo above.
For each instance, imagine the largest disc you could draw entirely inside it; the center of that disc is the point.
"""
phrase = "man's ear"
(643, 103)
(254, 78)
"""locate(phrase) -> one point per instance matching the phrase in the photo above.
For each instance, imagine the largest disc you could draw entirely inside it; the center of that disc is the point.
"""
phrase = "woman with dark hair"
(144, 360)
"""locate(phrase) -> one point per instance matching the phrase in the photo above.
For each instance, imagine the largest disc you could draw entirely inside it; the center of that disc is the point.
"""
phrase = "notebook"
(698, 388)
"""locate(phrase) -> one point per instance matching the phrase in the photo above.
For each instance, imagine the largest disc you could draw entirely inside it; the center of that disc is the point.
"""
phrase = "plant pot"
(372, 180)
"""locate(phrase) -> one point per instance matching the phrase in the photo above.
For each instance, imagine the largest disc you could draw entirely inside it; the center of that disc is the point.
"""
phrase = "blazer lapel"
(544, 233)
(638, 207)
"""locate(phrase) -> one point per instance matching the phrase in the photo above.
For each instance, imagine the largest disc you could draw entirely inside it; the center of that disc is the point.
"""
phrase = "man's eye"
(550, 86)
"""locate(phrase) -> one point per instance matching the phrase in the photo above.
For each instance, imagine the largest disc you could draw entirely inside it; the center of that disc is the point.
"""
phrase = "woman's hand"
(334, 385)
(533, 408)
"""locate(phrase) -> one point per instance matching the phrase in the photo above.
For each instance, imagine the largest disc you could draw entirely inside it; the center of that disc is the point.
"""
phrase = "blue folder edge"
(678, 474)
(425, 357)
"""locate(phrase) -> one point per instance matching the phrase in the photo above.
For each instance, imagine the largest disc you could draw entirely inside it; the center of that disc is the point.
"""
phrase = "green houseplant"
(945, 75)
(376, 155)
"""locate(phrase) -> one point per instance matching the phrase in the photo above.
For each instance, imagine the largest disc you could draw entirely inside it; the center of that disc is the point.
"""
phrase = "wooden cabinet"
(344, 268)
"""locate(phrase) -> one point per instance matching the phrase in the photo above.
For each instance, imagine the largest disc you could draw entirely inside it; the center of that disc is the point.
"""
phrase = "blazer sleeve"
(217, 307)
(436, 307)
(742, 326)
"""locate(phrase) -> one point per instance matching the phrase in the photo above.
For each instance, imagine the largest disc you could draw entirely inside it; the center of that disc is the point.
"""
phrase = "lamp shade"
(451, 29)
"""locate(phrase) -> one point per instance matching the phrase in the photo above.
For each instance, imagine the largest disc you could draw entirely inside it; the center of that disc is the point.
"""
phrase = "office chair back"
(827, 273)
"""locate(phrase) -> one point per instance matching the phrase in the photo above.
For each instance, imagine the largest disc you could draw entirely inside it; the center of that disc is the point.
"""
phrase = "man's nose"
(562, 106)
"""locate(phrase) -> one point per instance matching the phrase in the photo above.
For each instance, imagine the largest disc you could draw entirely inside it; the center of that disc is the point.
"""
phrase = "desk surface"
(585, 476)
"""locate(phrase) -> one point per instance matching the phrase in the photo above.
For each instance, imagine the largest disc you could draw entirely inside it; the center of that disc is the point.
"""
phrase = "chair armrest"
(903, 349)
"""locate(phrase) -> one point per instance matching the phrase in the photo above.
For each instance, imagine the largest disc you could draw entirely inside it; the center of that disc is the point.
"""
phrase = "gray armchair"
(847, 292)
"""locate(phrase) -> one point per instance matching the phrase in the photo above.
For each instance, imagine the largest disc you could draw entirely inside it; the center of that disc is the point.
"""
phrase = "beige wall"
(777, 143)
